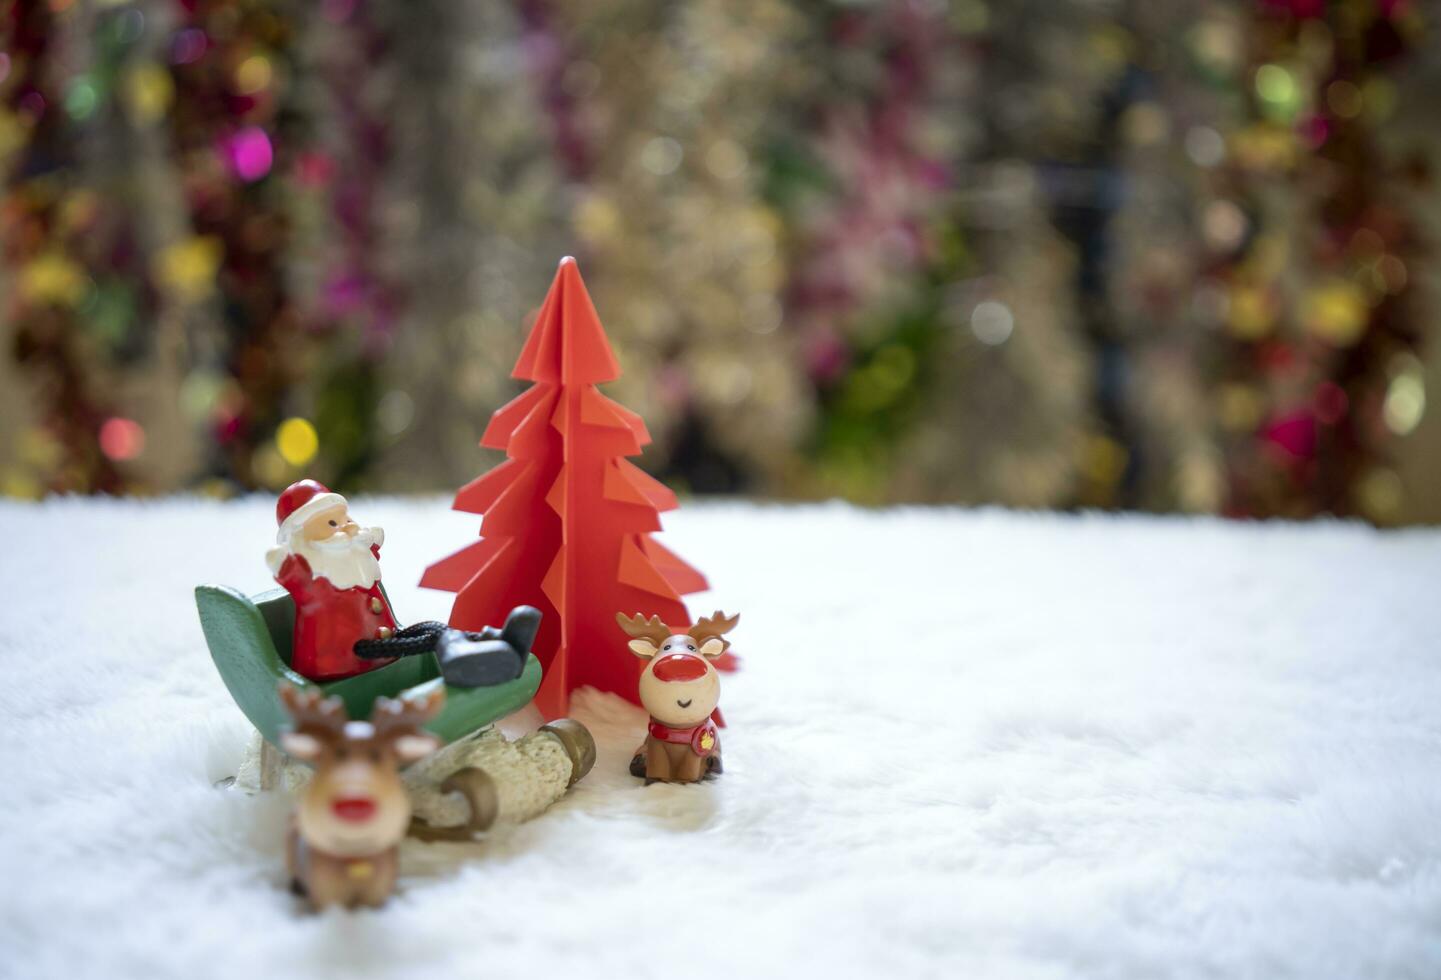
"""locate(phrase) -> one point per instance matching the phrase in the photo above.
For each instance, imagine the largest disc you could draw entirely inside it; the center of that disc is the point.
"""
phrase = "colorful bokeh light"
(122, 439)
(249, 153)
(297, 441)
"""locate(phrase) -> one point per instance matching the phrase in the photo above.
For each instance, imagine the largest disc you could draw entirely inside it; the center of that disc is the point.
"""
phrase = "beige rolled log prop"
(475, 783)
(466, 787)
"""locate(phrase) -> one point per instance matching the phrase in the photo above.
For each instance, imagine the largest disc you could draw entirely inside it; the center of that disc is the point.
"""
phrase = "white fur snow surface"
(963, 744)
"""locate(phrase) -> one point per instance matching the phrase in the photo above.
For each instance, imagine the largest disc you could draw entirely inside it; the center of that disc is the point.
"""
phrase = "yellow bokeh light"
(53, 278)
(12, 134)
(597, 219)
(253, 75)
(1250, 312)
(297, 441)
(187, 269)
(1240, 407)
(1405, 403)
(1381, 494)
(19, 485)
(1337, 313)
(78, 209)
(1104, 459)
(148, 91)
(1265, 147)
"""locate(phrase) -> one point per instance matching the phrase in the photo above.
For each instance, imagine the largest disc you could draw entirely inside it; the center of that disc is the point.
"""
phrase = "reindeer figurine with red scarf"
(344, 843)
(680, 688)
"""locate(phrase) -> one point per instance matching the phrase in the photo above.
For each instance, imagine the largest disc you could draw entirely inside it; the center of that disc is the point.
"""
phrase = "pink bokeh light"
(248, 153)
(122, 439)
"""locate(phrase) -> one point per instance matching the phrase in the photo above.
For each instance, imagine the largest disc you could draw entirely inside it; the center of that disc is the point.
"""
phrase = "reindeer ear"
(644, 649)
(305, 747)
(713, 647)
(414, 746)
(294, 697)
(431, 702)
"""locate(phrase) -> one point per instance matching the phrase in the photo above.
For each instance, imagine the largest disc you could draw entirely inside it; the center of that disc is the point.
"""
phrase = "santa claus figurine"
(344, 624)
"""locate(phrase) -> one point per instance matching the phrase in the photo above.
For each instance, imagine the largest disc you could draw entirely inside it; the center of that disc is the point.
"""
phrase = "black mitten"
(469, 661)
(520, 628)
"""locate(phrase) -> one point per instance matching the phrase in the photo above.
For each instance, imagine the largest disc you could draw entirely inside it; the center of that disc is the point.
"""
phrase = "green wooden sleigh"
(249, 640)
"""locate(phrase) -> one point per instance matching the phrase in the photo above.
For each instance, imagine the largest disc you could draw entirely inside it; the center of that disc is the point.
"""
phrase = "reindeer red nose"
(680, 667)
(354, 809)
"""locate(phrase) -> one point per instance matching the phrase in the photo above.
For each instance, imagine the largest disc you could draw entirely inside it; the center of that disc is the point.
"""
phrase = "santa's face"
(330, 522)
(338, 549)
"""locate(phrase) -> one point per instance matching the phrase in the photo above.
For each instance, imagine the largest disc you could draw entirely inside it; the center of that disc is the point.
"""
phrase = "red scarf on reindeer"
(702, 737)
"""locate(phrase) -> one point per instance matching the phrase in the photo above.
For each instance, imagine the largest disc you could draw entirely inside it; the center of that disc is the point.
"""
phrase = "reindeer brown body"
(680, 688)
(672, 762)
(344, 842)
(327, 879)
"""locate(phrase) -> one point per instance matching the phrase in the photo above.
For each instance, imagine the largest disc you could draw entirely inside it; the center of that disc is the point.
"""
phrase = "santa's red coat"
(328, 621)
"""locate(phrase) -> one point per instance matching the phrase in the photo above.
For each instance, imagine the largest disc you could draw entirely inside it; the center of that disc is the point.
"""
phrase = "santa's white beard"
(344, 561)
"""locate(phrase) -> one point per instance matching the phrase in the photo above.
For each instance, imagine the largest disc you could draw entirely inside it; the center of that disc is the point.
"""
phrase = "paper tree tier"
(567, 519)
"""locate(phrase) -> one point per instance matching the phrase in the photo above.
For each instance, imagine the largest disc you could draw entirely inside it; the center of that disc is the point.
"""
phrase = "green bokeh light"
(1279, 91)
(81, 98)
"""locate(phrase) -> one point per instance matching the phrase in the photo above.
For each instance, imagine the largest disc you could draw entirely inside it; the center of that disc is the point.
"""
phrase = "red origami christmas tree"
(567, 520)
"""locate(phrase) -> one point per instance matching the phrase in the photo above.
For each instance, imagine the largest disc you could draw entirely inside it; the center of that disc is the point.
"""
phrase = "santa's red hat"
(301, 501)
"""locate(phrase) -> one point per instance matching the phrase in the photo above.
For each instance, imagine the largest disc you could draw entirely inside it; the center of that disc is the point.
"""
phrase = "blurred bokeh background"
(1157, 254)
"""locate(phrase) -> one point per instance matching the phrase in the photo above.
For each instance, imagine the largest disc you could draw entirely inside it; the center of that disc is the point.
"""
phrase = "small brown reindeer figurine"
(680, 688)
(344, 842)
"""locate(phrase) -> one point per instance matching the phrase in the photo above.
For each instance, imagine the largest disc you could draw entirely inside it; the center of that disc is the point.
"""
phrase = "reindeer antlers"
(312, 710)
(315, 713)
(644, 629)
(713, 626)
(658, 632)
(392, 716)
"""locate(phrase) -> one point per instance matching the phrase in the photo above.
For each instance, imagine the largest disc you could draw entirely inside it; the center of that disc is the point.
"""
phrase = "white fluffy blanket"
(964, 744)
